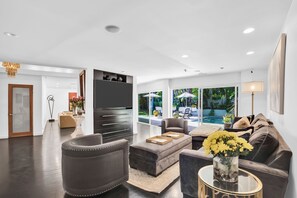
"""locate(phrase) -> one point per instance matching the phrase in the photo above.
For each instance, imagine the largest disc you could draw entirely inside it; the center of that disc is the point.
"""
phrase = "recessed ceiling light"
(250, 53)
(112, 28)
(248, 30)
(9, 34)
(185, 56)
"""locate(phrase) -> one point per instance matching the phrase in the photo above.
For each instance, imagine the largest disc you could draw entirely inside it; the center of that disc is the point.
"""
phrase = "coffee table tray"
(161, 140)
(173, 135)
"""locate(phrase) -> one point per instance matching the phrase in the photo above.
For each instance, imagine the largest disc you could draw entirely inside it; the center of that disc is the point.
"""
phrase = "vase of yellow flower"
(226, 147)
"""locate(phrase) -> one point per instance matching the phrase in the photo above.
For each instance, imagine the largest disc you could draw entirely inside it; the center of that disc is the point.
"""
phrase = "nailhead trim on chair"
(89, 148)
(89, 195)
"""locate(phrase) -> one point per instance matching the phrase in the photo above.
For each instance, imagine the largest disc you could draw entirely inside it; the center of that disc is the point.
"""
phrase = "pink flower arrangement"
(77, 102)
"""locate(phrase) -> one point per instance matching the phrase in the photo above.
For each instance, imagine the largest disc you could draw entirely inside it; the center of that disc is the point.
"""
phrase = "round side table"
(248, 185)
(78, 130)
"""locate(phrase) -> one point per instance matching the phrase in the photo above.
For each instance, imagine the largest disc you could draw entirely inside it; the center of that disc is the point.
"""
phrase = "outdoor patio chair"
(187, 113)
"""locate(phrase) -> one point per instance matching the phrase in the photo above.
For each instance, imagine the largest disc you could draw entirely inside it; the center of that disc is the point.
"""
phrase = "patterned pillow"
(242, 123)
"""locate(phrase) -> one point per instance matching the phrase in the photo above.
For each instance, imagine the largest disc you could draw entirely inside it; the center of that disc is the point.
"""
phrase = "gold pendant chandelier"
(11, 68)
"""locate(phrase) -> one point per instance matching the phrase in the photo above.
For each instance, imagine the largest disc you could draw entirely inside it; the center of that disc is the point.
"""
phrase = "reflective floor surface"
(30, 167)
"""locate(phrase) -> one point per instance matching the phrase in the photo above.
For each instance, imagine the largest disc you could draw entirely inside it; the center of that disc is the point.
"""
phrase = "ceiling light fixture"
(112, 28)
(9, 34)
(11, 68)
(185, 56)
(248, 30)
(250, 53)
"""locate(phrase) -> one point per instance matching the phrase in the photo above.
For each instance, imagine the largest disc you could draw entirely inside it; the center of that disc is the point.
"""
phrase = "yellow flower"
(225, 143)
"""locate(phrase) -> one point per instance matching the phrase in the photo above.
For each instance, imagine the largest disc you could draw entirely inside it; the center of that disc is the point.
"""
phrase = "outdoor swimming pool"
(213, 119)
(210, 119)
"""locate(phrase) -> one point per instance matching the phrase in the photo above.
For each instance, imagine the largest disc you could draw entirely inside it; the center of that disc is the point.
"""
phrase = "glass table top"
(247, 182)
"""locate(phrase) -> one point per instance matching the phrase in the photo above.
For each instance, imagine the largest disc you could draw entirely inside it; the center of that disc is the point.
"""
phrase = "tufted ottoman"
(154, 158)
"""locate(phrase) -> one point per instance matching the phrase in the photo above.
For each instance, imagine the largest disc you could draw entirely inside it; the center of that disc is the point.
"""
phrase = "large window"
(207, 105)
(217, 102)
(186, 104)
(150, 108)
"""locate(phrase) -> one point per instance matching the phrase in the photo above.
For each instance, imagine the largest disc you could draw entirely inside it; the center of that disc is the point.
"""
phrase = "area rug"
(153, 184)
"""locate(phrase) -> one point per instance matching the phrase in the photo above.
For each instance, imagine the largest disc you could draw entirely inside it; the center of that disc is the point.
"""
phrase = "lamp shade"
(254, 86)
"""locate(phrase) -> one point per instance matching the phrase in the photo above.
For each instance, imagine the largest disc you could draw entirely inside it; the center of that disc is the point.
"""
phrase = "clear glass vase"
(74, 110)
(225, 169)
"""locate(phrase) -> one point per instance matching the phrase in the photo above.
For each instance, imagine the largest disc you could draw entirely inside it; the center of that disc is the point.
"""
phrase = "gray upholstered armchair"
(175, 125)
(91, 168)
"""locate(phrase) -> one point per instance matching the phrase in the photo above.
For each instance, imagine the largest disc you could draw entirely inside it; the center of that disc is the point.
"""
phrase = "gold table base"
(206, 191)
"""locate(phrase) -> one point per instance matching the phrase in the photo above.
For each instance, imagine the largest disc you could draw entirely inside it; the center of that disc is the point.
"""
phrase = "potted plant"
(156, 113)
(227, 120)
(226, 147)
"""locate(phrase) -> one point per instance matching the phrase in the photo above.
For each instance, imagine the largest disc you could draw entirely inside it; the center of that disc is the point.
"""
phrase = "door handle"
(10, 114)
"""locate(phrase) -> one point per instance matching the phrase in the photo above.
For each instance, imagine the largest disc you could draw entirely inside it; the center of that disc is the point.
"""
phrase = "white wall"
(37, 104)
(59, 88)
(286, 124)
(208, 81)
(88, 124)
(135, 105)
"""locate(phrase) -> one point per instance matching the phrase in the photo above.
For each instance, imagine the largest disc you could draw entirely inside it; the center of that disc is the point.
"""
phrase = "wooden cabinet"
(112, 122)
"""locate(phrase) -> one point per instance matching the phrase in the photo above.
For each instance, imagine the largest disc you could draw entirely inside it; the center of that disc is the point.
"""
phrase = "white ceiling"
(154, 34)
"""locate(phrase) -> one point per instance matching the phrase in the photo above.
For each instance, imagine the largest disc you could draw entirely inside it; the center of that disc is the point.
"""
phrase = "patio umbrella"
(152, 95)
(186, 95)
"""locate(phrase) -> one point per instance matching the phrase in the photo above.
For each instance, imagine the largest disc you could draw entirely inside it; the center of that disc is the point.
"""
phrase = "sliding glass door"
(204, 105)
(150, 108)
(186, 104)
(218, 102)
(143, 108)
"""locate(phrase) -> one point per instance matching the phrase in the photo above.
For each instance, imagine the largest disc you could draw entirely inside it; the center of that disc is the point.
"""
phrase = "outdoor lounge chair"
(187, 113)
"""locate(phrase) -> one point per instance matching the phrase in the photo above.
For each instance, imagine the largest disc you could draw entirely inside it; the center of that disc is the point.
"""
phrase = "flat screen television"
(113, 94)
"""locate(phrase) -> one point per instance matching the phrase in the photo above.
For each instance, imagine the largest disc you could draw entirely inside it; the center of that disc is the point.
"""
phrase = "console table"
(248, 185)
(78, 130)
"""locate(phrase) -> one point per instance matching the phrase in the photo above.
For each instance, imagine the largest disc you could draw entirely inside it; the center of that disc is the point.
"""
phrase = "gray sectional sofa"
(269, 161)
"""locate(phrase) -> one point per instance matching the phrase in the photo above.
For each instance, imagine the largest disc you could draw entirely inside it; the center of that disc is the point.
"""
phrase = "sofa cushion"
(242, 123)
(260, 116)
(264, 144)
(175, 129)
(175, 122)
(259, 124)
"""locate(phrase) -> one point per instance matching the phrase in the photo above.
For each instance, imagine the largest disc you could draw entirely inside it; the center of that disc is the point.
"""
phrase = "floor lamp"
(252, 87)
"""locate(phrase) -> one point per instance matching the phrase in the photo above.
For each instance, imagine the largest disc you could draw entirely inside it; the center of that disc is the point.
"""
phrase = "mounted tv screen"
(113, 94)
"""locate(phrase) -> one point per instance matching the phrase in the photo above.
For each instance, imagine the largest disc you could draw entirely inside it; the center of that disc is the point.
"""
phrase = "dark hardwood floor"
(30, 167)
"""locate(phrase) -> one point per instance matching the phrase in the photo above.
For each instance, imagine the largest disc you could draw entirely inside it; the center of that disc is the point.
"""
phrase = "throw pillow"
(242, 123)
(245, 134)
(251, 118)
(259, 124)
(260, 116)
(264, 144)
